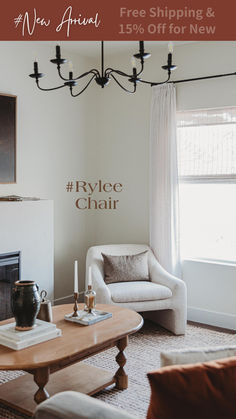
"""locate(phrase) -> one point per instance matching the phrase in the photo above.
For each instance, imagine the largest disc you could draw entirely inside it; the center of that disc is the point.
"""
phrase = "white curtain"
(164, 231)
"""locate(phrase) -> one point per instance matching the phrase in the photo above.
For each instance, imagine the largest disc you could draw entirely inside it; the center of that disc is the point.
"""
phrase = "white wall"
(124, 157)
(211, 292)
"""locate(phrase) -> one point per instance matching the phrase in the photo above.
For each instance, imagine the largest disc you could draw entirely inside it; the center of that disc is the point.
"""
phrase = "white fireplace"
(27, 227)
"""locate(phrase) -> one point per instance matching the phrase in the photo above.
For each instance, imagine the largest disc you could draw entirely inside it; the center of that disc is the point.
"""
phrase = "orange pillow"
(197, 391)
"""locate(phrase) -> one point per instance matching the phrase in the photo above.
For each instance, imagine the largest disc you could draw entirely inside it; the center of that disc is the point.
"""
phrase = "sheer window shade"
(207, 145)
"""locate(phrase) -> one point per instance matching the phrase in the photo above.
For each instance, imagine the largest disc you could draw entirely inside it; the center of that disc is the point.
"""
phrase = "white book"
(32, 340)
(8, 331)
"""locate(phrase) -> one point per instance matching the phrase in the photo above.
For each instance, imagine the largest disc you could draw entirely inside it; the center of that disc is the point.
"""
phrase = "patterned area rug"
(143, 355)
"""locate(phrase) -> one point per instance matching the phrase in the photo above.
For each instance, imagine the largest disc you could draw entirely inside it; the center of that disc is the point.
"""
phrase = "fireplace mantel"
(27, 227)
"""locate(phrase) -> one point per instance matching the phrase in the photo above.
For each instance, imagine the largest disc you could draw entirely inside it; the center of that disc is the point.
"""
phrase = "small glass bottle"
(90, 295)
(89, 299)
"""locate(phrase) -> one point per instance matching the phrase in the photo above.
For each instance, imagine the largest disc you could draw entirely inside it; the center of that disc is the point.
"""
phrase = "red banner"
(120, 20)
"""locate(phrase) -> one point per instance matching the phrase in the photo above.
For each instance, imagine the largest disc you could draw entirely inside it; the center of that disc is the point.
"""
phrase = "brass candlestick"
(76, 296)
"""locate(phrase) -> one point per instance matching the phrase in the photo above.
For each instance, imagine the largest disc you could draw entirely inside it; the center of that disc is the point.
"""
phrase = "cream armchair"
(163, 298)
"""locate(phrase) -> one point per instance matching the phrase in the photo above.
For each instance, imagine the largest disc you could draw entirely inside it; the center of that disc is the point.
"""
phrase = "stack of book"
(17, 198)
(16, 339)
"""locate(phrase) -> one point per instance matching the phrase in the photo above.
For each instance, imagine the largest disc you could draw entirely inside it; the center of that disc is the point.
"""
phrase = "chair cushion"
(127, 292)
(196, 391)
(124, 268)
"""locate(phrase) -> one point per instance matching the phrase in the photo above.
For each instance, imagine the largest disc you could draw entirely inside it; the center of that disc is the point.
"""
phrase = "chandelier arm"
(93, 71)
(49, 89)
(142, 68)
(122, 87)
(109, 70)
(60, 75)
(71, 91)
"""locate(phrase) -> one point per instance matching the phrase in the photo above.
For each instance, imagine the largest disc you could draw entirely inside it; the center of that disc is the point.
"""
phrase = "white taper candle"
(76, 279)
(90, 275)
(71, 67)
(170, 47)
(133, 62)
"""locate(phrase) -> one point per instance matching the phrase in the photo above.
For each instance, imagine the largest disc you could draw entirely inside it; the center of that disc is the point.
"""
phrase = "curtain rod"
(197, 78)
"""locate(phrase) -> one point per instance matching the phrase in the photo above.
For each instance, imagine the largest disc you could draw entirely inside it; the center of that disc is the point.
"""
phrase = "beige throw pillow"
(193, 355)
(125, 268)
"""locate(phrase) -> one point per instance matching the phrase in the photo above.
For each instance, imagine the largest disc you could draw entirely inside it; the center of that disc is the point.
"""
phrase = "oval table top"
(75, 340)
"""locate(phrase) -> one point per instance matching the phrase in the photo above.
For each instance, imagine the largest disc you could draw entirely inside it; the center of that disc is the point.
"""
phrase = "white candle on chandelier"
(36, 57)
(133, 62)
(170, 47)
(70, 64)
(76, 279)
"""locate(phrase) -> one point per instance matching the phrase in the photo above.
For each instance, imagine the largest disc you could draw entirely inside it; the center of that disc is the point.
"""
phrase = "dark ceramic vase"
(25, 304)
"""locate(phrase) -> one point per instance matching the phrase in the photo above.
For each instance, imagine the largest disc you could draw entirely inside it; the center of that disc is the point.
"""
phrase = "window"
(207, 173)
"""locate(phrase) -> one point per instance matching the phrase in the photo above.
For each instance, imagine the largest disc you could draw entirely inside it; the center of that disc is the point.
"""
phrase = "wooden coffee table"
(76, 344)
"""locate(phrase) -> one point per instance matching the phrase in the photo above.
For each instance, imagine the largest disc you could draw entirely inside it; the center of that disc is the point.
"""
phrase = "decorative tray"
(86, 318)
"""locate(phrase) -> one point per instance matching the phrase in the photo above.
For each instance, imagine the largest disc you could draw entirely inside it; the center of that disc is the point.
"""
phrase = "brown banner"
(118, 20)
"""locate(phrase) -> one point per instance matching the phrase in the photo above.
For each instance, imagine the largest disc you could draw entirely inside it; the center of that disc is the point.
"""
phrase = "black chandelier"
(104, 76)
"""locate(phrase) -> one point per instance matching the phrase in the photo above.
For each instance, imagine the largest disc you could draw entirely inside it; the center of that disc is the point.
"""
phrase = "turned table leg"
(41, 377)
(121, 376)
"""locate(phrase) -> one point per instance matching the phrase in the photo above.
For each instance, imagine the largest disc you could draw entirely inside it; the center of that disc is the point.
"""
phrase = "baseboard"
(212, 318)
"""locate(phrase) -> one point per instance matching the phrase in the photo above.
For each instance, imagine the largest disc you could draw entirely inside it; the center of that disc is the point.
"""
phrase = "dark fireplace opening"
(9, 273)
